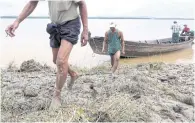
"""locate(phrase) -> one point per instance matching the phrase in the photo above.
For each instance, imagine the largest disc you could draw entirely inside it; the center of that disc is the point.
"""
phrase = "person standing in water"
(114, 42)
(64, 30)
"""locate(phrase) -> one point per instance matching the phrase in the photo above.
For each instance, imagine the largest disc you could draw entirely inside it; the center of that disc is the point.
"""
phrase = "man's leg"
(72, 73)
(74, 76)
(62, 70)
(112, 59)
(177, 38)
(116, 61)
(173, 38)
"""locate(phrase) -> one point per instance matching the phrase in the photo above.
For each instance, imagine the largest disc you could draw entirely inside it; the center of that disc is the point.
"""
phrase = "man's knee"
(117, 59)
(117, 56)
(61, 64)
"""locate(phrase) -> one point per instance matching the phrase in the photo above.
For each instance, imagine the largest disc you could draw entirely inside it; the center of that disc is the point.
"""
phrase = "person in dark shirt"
(185, 31)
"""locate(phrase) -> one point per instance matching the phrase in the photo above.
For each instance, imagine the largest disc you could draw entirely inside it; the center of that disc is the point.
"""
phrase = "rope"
(95, 46)
(93, 54)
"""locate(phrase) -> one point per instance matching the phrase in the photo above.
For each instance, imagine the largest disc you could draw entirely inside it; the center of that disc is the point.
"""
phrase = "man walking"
(113, 41)
(64, 30)
(175, 32)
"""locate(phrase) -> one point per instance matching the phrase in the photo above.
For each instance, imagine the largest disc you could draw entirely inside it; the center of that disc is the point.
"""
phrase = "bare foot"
(72, 80)
(55, 103)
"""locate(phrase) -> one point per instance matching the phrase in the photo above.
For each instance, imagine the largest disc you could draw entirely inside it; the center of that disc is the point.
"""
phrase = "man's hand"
(105, 43)
(84, 38)
(122, 43)
(103, 50)
(84, 18)
(11, 29)
(27, 10)
(123, 52)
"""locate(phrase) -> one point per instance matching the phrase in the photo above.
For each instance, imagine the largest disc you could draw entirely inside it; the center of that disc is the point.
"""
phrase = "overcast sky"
(154, 8)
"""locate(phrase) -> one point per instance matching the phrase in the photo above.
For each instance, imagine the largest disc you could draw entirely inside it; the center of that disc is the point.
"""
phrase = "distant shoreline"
(102, 17)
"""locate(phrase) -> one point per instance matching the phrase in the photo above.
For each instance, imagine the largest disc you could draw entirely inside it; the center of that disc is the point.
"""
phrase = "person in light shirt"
(63, 31)
(175, 32)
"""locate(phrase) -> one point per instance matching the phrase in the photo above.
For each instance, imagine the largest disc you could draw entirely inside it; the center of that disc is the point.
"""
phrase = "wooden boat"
(142, 48)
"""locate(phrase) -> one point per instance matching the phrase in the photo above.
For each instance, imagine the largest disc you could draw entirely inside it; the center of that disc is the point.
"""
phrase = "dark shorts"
(68, 30)
(112, 50)
(113, 53)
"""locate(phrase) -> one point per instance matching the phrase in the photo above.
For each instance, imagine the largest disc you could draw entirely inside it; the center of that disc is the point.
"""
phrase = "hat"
(185, 25)
(112, 24)
(174, 21)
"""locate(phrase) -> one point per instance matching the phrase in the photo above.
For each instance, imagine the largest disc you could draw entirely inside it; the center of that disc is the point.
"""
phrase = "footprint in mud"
(177, 109)
(88, 80)
(165, 114)
(133, 89)
(93, 91)
(101, 117)
(187, 100)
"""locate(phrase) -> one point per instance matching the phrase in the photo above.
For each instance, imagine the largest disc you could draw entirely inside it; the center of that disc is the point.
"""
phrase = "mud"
(148, 92)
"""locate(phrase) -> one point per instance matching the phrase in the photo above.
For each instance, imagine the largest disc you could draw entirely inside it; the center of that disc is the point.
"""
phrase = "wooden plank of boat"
(142, 48)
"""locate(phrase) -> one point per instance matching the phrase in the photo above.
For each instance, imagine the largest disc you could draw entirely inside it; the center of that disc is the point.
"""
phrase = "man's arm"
(84, 18)
(171, 27)
(84, 15)
(27, 10)
(180, 28)
(105, 42)
(182, 32)
(122, 42)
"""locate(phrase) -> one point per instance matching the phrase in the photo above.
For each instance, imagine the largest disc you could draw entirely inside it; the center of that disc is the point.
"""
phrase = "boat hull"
(144, 48)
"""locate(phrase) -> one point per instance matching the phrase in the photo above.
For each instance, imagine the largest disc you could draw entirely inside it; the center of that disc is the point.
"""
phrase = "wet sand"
(148, 92)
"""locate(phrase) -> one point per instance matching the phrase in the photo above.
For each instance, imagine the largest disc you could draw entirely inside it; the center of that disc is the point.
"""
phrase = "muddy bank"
(143, 92)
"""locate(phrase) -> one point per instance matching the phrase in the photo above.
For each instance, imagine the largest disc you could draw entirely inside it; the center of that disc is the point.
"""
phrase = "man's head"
(185, 25)
(175, 22)
(112, 26)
